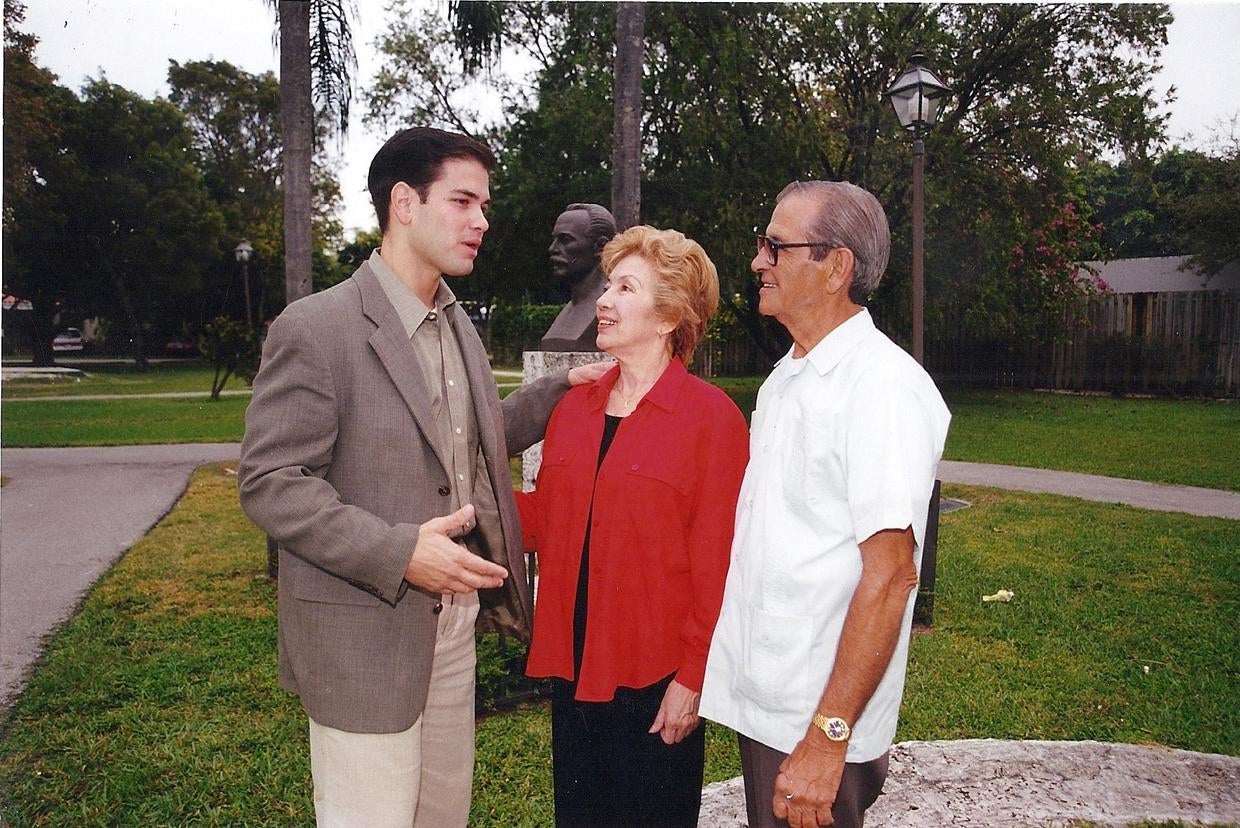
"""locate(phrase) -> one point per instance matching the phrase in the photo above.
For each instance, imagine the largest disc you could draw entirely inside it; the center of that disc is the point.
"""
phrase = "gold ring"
(788, 796)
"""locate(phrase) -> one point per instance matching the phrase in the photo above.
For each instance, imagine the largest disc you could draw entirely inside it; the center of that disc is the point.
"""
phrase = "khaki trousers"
(421, 777)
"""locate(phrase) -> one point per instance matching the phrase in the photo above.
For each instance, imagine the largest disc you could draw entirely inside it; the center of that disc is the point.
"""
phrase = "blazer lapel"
(395, 352)
(509, 609)
(478, 373)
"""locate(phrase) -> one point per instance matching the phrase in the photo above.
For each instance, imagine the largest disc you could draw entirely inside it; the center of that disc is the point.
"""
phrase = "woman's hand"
(678, 713)
(591, 372)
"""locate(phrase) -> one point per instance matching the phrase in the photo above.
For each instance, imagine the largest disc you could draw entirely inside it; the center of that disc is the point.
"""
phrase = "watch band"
(835, 728)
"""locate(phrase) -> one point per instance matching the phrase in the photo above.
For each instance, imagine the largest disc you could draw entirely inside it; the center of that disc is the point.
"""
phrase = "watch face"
(837, 729)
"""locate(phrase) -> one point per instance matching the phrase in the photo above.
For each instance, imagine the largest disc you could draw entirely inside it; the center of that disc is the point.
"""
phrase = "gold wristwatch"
(837, 729)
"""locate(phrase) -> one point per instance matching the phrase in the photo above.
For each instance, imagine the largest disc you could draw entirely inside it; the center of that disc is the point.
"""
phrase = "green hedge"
(517, 328)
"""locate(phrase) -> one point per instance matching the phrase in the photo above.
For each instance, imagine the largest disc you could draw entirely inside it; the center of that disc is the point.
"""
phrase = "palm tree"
(316, 61)
(626, 169)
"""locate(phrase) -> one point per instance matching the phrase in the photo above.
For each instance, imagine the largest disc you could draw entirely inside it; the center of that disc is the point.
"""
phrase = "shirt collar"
(834, 346)
(409, 307)
(664, 392)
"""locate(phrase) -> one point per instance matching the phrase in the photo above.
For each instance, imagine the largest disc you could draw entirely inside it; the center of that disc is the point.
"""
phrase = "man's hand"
(678, 713)
(441, 565)
(591, 372)
(812, 774)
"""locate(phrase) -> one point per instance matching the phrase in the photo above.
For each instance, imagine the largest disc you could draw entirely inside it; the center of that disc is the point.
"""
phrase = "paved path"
(65, 518)
(1159, 496)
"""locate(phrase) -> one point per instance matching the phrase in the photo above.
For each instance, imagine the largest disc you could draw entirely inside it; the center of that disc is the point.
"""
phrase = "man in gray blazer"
(376, 454)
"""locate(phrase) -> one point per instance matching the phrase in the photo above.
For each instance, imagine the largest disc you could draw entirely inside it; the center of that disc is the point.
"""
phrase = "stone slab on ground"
(30, 372)
(989, 782)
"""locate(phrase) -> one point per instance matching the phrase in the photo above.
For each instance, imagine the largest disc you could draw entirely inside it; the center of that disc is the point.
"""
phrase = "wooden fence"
(1178, 344)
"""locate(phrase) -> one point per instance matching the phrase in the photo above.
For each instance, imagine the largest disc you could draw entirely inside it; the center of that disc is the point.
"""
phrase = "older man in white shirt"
(808, 658)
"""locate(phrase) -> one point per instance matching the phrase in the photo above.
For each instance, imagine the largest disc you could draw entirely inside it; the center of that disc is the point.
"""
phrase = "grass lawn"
(122, 378)
(158, 705)
(1165, 441)
(135, 421)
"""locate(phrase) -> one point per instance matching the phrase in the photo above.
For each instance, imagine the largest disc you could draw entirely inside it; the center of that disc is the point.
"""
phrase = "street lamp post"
(916, 96)
(243, 251)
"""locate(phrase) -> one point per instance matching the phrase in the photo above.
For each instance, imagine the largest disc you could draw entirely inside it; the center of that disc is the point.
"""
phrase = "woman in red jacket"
(631, 522)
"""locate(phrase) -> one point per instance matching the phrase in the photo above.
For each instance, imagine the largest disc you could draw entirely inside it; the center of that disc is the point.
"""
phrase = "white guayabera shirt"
(844, 443)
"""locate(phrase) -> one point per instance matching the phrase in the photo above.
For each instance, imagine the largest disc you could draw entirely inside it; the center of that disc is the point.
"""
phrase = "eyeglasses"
(773, 247)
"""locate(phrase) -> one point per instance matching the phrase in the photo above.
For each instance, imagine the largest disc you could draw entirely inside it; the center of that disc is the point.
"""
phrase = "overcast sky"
(131, 42)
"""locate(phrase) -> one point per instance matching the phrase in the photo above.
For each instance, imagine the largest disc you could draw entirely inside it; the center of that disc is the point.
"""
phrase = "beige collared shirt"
(439, 355)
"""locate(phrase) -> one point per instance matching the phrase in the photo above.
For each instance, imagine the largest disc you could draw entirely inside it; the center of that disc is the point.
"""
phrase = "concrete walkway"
(66, 516)
(1161, 497)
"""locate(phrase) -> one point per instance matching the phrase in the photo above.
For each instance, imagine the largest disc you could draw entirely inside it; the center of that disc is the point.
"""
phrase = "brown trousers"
(859, 787)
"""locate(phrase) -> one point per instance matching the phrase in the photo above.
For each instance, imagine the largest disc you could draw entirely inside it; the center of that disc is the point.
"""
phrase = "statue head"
(577, 240)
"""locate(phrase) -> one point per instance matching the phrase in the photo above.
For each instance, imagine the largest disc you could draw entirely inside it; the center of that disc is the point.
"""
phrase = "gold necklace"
(630, 401)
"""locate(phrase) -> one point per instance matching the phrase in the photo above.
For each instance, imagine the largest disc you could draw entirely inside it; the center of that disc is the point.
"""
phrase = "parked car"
(180, 347)
(70, 339)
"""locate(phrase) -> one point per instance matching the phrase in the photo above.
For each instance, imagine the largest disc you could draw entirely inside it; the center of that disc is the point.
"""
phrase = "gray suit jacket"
(338, 464)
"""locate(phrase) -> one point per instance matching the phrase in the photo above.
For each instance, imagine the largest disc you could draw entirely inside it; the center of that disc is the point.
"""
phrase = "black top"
(610, 426)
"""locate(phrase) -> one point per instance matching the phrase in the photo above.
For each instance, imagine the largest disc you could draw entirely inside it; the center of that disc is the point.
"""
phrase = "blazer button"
(438, 608)
(445, 491)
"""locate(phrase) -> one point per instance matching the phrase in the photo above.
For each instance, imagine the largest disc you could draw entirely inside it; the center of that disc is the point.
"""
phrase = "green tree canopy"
(742, 98)
(1207, 213)
(35, 108)
(106, 208)
(141, 222)
(235, 119)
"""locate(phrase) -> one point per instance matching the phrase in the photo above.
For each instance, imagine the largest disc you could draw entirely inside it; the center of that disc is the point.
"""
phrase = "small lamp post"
(916, 96)
(243, 251)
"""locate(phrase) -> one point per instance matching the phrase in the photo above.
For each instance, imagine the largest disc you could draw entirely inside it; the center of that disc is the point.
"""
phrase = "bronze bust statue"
(576, 244)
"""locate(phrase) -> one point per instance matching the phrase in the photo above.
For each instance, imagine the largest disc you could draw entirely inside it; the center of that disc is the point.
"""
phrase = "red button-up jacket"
(660, 535)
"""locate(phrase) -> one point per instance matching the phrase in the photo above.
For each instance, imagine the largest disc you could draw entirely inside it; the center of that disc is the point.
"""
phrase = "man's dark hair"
(415, 156)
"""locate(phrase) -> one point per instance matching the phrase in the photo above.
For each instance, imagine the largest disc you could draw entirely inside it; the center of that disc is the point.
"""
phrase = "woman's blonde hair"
(687, 292)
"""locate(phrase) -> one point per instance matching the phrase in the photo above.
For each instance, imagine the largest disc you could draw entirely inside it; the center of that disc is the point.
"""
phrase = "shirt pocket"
(775, 662)
(655, 494)
(554, 469)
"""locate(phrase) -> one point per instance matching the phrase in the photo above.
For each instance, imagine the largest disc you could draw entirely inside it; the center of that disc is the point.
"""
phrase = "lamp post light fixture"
(916, 96)
(243, 251)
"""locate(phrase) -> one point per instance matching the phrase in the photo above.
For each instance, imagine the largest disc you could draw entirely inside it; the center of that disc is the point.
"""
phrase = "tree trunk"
(297, 131)
(626, 180)
(42, 329)
(297, 124)
(137, 341)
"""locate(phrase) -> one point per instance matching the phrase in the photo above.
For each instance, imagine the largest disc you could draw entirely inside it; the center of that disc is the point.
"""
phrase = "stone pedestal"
(536, 364)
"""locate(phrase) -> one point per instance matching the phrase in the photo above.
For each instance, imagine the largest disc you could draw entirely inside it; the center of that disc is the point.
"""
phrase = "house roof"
(1161, 274)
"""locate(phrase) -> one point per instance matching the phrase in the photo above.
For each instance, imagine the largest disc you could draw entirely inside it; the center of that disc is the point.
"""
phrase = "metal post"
(245, 283)
(923, 608)
(924, 613)
(919, 286)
